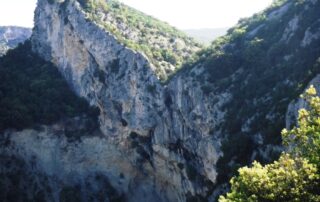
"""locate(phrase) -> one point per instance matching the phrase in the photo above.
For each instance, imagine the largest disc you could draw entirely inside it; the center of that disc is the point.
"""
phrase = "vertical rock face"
(97, 66)
(159, 142)
(163, 132)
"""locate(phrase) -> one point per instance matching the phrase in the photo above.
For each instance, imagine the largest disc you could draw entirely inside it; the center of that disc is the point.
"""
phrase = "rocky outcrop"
(61, 169)
(164, 132)
(11, 36)
(159, 142)
(300, 103)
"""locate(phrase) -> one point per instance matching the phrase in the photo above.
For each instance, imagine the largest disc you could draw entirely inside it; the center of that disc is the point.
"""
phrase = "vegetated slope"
(162, 142)
(165, 46)
(32, 91)
(208, 35)
(11, 36)
(264, 63)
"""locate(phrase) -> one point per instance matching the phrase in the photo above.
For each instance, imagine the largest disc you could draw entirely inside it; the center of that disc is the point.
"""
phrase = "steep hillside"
(263, 63)
(11, 36)
(122, 82)
(206, 36)
(175, 141)
(166, 47)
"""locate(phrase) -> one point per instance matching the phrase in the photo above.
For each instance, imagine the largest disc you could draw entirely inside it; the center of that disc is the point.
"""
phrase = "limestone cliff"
(178, 141)
(136, 109)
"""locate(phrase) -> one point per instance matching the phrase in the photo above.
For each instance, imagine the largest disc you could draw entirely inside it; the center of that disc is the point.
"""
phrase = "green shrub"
(296, 175)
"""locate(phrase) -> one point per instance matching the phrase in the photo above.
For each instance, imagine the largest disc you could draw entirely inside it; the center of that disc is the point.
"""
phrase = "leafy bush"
(289, 179)
(296, 175)
(304, 140)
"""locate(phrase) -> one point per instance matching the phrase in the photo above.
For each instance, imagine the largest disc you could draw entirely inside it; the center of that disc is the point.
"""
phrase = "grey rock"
(159, 142)
(11, 36)
(162, 131)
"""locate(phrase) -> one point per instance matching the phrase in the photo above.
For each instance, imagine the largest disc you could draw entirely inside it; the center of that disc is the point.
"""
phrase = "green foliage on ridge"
(263, 69)
(165, 46)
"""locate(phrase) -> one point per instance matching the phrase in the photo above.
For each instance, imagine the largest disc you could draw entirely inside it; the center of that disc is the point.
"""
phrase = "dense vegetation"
(296, 175)
(32, 92)
(165, 46)
(263, 68)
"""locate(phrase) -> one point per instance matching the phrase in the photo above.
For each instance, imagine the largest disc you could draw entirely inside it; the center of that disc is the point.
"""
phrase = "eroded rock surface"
(159, 142)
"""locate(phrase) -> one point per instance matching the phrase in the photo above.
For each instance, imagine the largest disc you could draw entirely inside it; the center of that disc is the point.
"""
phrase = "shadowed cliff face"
(175, 142)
